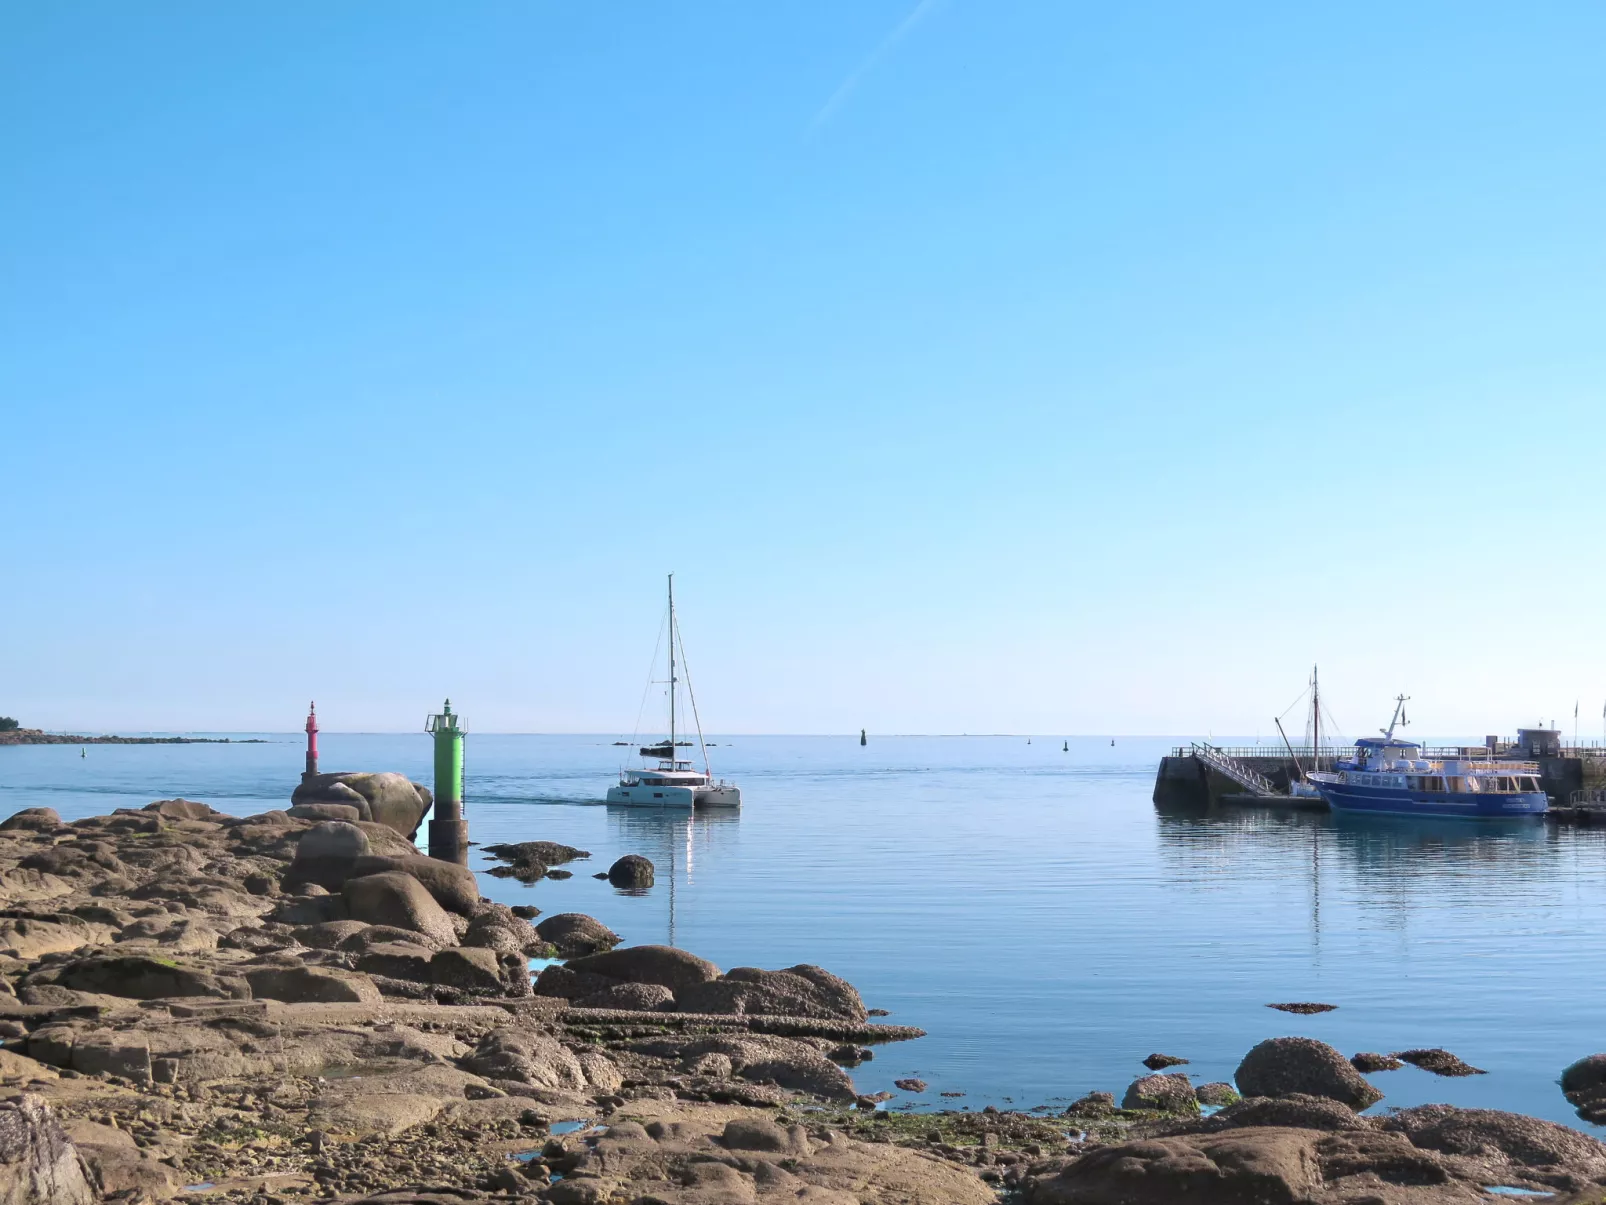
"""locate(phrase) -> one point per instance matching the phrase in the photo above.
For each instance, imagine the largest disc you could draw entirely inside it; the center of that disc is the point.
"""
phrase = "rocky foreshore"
(296, 1005)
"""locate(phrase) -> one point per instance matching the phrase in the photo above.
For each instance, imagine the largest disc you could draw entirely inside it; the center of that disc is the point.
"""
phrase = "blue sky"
(976, 367)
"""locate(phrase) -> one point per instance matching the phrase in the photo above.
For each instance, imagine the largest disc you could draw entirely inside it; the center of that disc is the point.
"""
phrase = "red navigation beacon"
(312, 743)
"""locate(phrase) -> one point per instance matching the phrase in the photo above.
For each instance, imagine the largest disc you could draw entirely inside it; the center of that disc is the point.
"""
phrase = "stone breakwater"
(286, 1007)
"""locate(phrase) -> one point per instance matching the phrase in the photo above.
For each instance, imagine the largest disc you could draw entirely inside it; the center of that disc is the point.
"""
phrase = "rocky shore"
(297, 1006)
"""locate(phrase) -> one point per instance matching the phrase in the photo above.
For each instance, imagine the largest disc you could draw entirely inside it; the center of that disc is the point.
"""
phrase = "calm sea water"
(1027, 906)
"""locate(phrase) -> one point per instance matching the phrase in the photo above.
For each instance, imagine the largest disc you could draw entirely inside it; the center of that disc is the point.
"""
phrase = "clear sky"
(1028, 366)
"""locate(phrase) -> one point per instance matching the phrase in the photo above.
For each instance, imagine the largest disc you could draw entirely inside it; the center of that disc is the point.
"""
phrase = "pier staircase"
(1250, 780)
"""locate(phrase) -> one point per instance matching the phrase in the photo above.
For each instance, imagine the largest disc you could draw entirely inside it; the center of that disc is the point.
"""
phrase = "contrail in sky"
(846, 87)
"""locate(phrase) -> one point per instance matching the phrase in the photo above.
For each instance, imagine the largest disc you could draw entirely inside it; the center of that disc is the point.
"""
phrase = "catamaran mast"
(671, 670)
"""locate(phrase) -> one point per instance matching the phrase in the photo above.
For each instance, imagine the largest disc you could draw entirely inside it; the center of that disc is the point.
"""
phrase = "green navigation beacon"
(448, 831)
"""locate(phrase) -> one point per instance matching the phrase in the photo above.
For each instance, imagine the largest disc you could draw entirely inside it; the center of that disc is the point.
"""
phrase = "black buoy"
(1066, 748)
(1112, 740)
(862, 741)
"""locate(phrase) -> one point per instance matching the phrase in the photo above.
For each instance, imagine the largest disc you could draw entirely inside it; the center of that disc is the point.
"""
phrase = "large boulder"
(325, 811)
(1504, 1142)
(1304, 1066)
(453, 886)
(664, 965)
(471, 968)
(308, 984)
(326, 853)
(563, 984)
(1296, 1112)
(118, 1166)
(1586, 1077)
(143, 978)
(32, 820)
(1584, 1085)
(385, 798)
(1235, 1167)
(529, 1058)
(791, 1064)
(632, 870)
(632, 997)
(576, 934)
(1161, 1094)
(399, 900)
(495, 927)
(800, 991)
(38, 1163)
(397, 960)
(183, 809)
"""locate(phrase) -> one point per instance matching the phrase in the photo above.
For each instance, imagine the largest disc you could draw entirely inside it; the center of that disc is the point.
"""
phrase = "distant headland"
(12, 733)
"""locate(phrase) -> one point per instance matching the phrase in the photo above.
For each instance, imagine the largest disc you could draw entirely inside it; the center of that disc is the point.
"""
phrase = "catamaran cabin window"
(1435, 783)
(1530, 784)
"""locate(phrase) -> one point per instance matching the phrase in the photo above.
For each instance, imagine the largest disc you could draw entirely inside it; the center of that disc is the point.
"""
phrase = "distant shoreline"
(35, 736)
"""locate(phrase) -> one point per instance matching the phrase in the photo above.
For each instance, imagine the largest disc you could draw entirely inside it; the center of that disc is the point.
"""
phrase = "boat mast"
(671, 671)
(1315, 720)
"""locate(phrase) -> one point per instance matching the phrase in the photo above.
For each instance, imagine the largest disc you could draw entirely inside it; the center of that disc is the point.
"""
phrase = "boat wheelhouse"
(1389, 775)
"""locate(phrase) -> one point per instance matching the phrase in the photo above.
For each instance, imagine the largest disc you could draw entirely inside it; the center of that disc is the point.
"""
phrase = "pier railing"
(1304, 753)
(1507, 751)
(1249, 779)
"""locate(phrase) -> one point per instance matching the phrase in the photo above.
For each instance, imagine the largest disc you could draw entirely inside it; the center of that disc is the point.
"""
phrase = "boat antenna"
(1399, 717)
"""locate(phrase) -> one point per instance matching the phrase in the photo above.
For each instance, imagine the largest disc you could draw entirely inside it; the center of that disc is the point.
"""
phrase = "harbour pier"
(1207, 775)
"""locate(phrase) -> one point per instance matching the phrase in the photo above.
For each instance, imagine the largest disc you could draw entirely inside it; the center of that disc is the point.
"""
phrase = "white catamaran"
(674, 783)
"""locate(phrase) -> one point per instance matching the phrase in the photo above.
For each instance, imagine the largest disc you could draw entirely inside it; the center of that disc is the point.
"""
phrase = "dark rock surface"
(575, 935)
(800, 991)
(1217, 1094)
(1304, 1066)
(632, 870)
(1302, 1112)
(1369, 1061)
(1161, 1094)
(1159, 1062)
(1303, 1008)
(541, 853)
(1440, 1062)
(638, 997)
(664, 965)
(38, 1163)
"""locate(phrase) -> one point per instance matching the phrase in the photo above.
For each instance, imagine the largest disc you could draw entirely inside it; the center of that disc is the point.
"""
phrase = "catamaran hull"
(683, 798)
(724, 796)
(1382, 801)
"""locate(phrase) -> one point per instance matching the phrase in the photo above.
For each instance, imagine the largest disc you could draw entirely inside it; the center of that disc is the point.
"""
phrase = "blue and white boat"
(1389, 776)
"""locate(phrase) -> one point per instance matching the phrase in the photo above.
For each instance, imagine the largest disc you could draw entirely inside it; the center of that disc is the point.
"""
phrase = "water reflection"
(1396, 866)
(673, 841)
